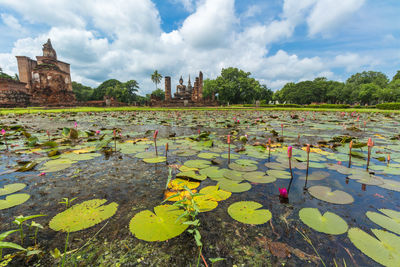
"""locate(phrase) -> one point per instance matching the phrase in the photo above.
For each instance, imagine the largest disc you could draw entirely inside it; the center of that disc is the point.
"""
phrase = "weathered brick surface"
(13, 94)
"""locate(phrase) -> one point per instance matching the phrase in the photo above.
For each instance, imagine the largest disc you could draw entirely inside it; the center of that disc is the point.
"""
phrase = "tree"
(82, 93)
(236, 86)
(368, 93)
(100, 91)
(397, 76)
(123, 92)
(160, 94)
(156, 78)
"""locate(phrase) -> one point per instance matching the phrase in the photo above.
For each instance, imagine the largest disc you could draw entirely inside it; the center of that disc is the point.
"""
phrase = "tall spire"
(189, 83)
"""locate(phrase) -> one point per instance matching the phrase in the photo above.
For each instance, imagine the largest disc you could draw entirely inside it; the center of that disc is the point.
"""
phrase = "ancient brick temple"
(185, 95)
(13, 94)
(47, 80)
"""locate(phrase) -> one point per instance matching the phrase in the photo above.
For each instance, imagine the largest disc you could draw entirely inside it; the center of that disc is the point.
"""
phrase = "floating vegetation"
(13, 200)
(326, 194)
(329, 223)
(249, 212)
(11, 188)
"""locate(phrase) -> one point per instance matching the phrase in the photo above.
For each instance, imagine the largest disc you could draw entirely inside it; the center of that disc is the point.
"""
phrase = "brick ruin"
(185, 95)
(47, 82)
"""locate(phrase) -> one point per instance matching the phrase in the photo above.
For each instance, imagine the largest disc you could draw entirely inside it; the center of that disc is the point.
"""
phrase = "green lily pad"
(11, 188)
(233, 156)
(336, 197)
(205, 203)
(155, 160)
(259, 177)
(214, 193)
(249, 212)
(316, 176)
(83, 215)
(233, 175)
(234, 186)
(161, 225)
(208, 155)
(384, 250)
(200, 164)
(329, 223)
(246, 162)
(279, 174)
(56, 165)
(80, 157)
(391, 221)
(192, 175)
(146, 155)
(242, 168)
(213, 172)
(13, 200)
(276, 166)
(390, 185)
(184, 153)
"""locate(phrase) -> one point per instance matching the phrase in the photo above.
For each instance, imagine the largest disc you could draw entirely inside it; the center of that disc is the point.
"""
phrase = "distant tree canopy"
(160, 94)
(123, 92)
(236, 87)
(368, 87)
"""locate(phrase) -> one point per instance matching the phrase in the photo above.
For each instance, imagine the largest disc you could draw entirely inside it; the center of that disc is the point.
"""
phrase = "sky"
(276, 41)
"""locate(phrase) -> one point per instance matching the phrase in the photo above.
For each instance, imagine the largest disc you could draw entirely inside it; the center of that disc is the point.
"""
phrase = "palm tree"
(156, 77)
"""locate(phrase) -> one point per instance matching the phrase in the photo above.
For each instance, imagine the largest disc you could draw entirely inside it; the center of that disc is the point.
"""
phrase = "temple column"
(167, 88)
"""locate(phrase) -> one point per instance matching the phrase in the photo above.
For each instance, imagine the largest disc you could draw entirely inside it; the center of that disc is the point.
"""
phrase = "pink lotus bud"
(351, 144)
(358, 118)
(388, 158)
(283, 192)
(339, 163)
(229, 138)
(114, 133)
(98, 132)
(3, 132)
(238, 121)
(166, 147)
(281, 125)
(370, 143)
(289, 151)
(155, 134)
(75, 125)
(308, 148)
(269, 141)
(42, 174)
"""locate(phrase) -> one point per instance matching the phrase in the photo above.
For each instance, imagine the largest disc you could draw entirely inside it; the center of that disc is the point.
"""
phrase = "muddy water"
(137, 186)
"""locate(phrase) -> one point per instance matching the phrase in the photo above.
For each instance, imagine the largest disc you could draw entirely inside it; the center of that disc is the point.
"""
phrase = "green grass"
(31, 110)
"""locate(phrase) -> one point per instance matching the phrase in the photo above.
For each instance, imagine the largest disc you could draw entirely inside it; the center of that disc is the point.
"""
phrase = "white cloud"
(352, 61)
(330, 14)
(189, 5)
(12, 22)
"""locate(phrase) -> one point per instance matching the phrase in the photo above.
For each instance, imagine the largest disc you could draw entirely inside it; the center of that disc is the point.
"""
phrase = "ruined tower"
(167, 88)
(200, 92)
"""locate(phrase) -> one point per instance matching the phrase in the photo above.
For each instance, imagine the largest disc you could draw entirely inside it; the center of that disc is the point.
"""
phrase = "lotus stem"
(155, 145)
(308, 164)
(198, 258)
(21, 234)
(350, 147)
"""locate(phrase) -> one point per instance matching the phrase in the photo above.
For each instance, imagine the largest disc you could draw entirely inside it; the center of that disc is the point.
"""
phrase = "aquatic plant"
(370, 145)
(308, 165)
(229, 148)
(8, 244)
(67, 201)
(3, 133)
(155, 141)
(20, 220)
(329, 223)
(350, 147)
(115, 140)
(37, 226)
(326, 194)
(308, 240)
(249, 212)
(11, 188)
(283, 193)
(13, 200)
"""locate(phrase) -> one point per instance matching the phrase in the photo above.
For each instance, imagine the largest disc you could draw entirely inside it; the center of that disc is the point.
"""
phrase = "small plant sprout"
(155, 141)
(350, 147)
(3, 133)
(67, 202)
(308, 148)
(229, 148)
(8, 244)
(20, 222)
(370, 144)
(37, 226)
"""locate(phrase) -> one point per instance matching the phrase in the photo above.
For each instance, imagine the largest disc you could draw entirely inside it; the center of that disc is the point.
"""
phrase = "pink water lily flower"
(98, 132)
(75, 125)
(3, 132)
(283, 192)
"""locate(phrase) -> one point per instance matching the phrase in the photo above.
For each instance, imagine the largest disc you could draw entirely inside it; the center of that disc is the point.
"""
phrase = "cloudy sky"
(277, 41)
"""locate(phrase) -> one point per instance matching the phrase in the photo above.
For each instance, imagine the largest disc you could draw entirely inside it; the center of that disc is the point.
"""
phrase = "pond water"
(86, 169)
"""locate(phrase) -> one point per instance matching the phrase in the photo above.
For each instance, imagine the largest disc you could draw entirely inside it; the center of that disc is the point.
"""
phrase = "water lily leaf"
(179, 184)
(182, 194)
(233, 156)
(234, 186)
(192, 175)
(146, 155)
(213, 172)
(279, 174)
(129, 148)
(391, 221)
(214, 193)
(259, 177)
(233, 175)
(208, 155)
(155, 160)
(184, 153)
(200, 164)
(183, 168)
(384, 250)
(329, 223)
(336, 197)
(242, 168)
(276, 166)
(246, 162)
(316, 176)
(56, 165)
(80, 157)
(249, 212)
(390, 185)
(158, 226)
(11, 188)
(205, 203)
(13, 200)
(82, 216)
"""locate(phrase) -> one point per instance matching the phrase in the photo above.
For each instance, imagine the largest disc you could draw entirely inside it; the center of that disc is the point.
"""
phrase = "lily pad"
(158, 159)
(208, 155)
(214, 193)
(329, 223)
(179, 184)
(184, 153)
(233, 175)
(249, 212)
(83, 215)
(242, 168)
(56, 165)
(205, 203)
(11, 188)
(233, 156)
(390, 185)
(161, 225)
(192, 175)
(13, 200)
(391, 221)
(279, 174)
(384, 250)
(326, 194)
(213, 172)
(259, 177)
(146, 155)
(200, 164)
(234, 186)
(316, 176)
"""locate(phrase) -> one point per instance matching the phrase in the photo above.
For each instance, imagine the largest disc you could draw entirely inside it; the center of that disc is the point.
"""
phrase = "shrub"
(392, 106)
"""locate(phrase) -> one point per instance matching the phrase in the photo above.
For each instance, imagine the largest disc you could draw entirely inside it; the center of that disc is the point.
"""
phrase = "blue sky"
(277, 41)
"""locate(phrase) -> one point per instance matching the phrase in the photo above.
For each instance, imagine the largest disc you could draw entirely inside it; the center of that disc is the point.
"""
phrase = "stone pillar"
(167, 88)
(195, 93)
(200, 93)
(25, 67)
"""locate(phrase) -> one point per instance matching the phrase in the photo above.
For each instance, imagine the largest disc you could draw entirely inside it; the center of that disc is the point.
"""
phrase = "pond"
(106, 166)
